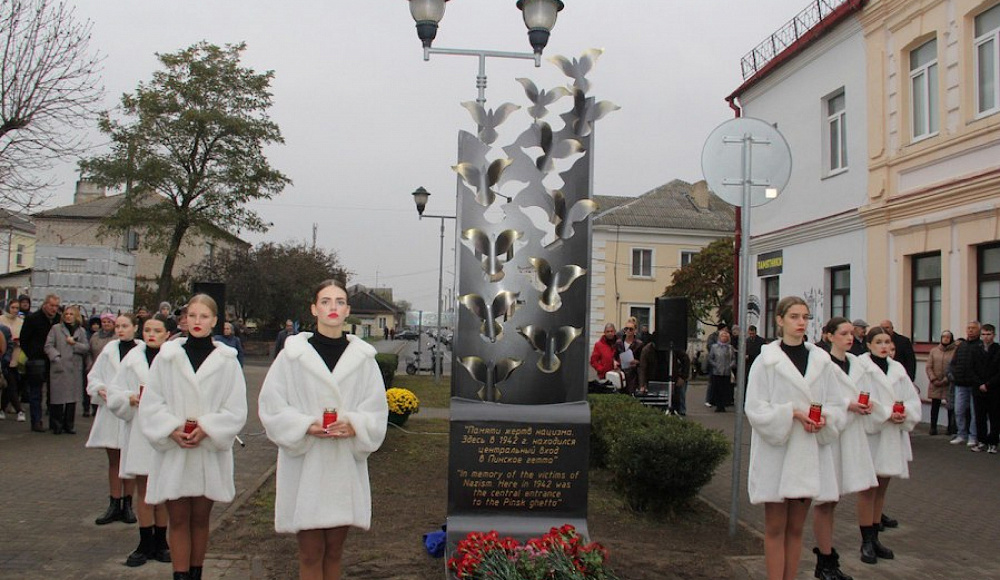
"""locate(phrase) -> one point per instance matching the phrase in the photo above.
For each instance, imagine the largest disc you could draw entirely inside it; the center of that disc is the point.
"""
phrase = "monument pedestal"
(517, 469)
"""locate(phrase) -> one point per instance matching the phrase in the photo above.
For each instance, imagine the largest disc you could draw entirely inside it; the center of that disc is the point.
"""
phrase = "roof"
(17, 221)
(102, 207)
(669, 206)
(803, 40)
(362, 299)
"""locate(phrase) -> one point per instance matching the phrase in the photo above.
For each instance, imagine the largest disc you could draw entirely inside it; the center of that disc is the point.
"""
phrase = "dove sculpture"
(503, 304)
(488, 120)
(552, 284)
(549, 344)
(482, 178)
(489, 375)
(489, 250)
(541, 99)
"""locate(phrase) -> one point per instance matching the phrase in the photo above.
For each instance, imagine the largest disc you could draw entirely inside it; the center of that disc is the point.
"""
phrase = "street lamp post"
(420, 199)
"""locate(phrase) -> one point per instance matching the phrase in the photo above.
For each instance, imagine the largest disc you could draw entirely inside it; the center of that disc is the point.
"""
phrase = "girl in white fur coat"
(192, 409)
(888, 435)
(852, 457)
(322, 481)
(791, 460)
(107, 431)
(137, 455)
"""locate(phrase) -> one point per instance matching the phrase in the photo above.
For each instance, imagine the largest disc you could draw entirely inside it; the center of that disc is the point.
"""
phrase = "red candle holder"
(898, 407)
(815, 412)
(329, 417)
(189, 425)
(863, 397)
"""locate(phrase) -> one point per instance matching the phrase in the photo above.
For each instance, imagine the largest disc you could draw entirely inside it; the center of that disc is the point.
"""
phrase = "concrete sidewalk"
(948, 510)
(54, 488)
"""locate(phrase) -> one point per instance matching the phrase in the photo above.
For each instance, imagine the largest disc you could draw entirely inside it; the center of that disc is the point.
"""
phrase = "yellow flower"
(402, 401)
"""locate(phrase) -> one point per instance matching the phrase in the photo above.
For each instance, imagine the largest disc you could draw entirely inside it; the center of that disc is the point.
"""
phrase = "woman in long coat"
(721, 364)
(937, 377)
(108, 431)
(124, 395)
(322, 485)
(791, 458)
(851, 454)
(193, 407)
(888, 430)
(66, 346)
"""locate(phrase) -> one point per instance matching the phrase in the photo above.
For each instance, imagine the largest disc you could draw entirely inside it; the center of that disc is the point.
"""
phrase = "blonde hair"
(784, 305)
(205, 300)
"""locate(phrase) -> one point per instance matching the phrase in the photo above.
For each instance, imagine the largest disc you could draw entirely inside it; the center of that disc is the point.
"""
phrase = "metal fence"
(786, 36)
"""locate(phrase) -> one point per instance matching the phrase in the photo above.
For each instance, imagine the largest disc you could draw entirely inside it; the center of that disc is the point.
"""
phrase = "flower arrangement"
(402, 401)
(560, 554)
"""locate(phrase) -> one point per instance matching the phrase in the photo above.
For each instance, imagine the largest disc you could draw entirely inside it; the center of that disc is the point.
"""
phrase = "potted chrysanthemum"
(402, 404)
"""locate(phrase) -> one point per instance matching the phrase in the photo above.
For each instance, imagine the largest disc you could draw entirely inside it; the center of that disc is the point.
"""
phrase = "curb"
(238, 503)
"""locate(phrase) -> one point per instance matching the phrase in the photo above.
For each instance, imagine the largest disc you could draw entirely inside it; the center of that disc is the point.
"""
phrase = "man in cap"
(858, 348)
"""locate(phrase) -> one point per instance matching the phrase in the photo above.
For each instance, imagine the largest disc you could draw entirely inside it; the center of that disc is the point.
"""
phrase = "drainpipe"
(738, 236)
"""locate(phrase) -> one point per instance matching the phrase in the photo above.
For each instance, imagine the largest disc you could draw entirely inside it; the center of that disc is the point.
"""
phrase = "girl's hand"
(103, 393)
(859, 409)
(341, 429)
(897, 417)
(808, 424)
(317, 430)
(133, 401)
(188, 440)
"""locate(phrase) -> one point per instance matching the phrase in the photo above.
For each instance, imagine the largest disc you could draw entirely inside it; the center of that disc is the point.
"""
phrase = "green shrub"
(658, 462)
(387, 363)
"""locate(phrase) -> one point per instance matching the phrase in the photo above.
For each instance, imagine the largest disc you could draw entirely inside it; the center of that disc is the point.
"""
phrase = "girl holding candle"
(193, 380)
(794, 409)
(322, 478)
(137, 454)
(852, 457)
(895, 411)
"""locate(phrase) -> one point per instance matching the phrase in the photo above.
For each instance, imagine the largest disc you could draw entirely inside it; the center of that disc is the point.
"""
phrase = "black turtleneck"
(198, 349)
(123, 347)
(882, 363)
(151, 353)
(329, 349)
(798, 355)
(845, 365)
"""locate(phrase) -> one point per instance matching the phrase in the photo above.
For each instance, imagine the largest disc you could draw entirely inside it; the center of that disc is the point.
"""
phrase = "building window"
(642, 263)
(836, 129)
(772, 294)
(641, 313)
(988, 283)
(926, 297)
(19, 256)
(924, 90)
(987, 65)
(840, 292)
(687, 256)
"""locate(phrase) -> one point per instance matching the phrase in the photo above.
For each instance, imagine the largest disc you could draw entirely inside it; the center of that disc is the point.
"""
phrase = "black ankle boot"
(868, 555)
(128, 516)
(828, 566)
(161, 550)
(880, 550)
(887, 522)
(141, 554)
(196, 572)
(112, 514)
(182, 576)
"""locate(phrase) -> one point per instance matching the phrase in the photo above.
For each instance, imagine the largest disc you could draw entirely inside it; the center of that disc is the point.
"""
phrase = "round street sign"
(723, 155)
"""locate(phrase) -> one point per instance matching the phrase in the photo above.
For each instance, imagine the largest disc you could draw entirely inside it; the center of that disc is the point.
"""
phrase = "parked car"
(407, 335)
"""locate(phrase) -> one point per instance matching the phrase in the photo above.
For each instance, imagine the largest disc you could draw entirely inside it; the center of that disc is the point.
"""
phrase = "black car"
(407, 335)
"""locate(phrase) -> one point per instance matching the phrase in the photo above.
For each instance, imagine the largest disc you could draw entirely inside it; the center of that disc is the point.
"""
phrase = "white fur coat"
(323, 483)
(216, 396)
(137, 453)
(786, 462)
(108, 431)
(890, 442)
(852, 455)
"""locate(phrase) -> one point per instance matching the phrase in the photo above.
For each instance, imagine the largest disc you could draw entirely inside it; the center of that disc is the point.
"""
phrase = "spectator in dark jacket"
(966, 368)
(986, 396)
(229, 338)
(858, 347)
(655, 366)
(33, 334)
(904, 349)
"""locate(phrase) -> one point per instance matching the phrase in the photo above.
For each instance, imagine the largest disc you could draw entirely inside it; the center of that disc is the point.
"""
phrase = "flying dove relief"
(488, 250)
(541, 99)
(504, 304)
(488, 120)
(558, 224)
(552, 284)
(489, 375)
(549, 345)
(577, 69)
(482, 178)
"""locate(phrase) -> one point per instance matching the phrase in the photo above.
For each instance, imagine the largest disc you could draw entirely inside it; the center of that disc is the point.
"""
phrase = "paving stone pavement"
(53, 488)
(948, 510)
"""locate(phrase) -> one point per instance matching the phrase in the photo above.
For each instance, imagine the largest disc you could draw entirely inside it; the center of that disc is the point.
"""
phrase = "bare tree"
(49, 91)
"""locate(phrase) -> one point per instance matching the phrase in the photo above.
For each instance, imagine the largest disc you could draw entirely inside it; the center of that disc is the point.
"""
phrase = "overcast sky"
(366, 121)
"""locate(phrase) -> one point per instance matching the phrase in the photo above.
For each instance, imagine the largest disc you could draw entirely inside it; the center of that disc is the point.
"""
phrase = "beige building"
(639, 242)
(933, 213)
(79, 224)
(17, 243)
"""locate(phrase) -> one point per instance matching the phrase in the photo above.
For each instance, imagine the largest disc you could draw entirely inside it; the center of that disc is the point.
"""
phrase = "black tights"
(935, 411)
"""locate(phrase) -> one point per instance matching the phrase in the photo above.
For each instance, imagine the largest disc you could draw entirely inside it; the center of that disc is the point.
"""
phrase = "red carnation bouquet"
(561, 554)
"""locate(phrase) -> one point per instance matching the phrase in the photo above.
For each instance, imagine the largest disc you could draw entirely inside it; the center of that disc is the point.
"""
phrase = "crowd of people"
(169, 400)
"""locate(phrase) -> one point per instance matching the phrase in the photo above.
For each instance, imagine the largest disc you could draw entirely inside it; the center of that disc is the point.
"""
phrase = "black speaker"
(671, 323)
(217, 290)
